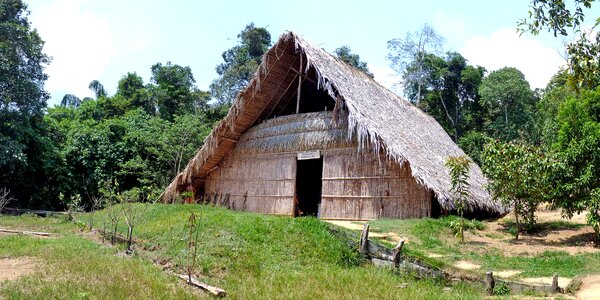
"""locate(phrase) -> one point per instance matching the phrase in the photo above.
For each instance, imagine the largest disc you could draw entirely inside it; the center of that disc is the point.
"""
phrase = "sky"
(105, 39)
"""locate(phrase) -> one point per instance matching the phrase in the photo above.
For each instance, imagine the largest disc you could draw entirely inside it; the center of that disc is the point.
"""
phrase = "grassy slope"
(72, 267)
(251, 256)
(435, 236)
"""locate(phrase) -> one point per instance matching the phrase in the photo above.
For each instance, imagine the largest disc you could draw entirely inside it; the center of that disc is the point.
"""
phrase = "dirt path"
(358, 225)
(13, 268)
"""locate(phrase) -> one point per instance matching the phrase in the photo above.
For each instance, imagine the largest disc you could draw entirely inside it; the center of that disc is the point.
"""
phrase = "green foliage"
(520, 176)
(240, 63)
(131, 87)
(26, 152)
(472, 143)
(584, 51)
(509, 105)
(501, 289)
(459, 168)
(448, 89)
(554, 95)
(98, 89)
(175, 91)
(577, 186)
(345, 54)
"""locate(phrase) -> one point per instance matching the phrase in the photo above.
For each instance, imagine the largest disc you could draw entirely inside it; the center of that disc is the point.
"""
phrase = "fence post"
(364, 240)
(489, 283)
(555, 287)
(396, 253)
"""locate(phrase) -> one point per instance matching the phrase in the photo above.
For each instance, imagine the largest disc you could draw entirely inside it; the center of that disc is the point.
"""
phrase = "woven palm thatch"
(374, 118)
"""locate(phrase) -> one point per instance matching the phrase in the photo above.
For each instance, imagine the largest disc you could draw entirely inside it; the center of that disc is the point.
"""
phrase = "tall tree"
(240, 63)
(22, 102)
(70, 100)
(448, 90)
(131, 87)
(509, 104)
(345, 54)
(98, 89)
(174, 89)
(577, 186)
(408, 57)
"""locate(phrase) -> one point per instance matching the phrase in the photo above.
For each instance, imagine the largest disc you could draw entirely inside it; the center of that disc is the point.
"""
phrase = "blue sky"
(105, 39)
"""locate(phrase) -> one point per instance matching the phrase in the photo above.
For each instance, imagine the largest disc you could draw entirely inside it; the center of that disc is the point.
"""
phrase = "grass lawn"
(251, 256)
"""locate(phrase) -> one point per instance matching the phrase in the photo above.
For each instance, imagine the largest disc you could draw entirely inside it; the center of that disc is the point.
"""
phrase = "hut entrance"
(309, 175)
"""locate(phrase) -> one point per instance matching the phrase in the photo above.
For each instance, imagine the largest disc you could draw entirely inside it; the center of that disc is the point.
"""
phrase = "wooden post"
(364, 240)
(489, 283)
(396, 252)
(244, 203)
(299, 85)
(555, 287)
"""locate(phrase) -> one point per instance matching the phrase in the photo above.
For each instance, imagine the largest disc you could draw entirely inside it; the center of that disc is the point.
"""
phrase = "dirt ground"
(358, 225)
(569, 238)
(590, 289)
(13, 268)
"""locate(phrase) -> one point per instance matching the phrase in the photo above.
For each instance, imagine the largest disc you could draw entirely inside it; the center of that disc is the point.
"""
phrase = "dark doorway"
(309, 175)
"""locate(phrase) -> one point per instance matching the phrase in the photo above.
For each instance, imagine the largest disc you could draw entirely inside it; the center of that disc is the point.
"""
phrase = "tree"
(70, 100)
(131, 87)
(22, 97)
(520, 176)
(408, 57)
(175, 89)
(345, 54)
(509, 104)
(584, 52)
(448, 91)
(98, 89)
(577, 185)
(553, 96)
(27, 159)
(240, 63)
(459, 178)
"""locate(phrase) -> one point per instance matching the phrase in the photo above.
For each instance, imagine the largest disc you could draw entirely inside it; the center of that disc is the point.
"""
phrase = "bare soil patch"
(590, 289)
(507, 273)
(556, 234)
(358, 225)
(562, 281)
(466, 265)
(13, 268)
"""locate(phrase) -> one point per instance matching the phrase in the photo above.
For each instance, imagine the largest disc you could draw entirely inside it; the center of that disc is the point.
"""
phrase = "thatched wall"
(363, 186)
(260, 173)
(258, 183)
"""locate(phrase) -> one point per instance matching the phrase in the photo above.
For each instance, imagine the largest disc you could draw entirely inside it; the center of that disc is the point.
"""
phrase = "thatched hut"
(312, 135)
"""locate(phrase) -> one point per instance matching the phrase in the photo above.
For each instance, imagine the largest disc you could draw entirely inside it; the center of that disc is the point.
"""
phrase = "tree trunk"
(517, 221)
(462, 229)
(129, 237)
(448, 115)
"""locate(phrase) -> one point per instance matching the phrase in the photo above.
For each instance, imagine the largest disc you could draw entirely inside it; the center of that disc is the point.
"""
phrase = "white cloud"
(505, 48)
(386, 77)
(80, 43)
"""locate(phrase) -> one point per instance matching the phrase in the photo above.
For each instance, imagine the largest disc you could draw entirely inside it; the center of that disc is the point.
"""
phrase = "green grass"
(251, 256)
(72, 267)
(435, 236)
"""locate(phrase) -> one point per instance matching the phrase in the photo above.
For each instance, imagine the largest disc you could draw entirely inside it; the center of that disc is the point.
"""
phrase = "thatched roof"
(379, 120)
